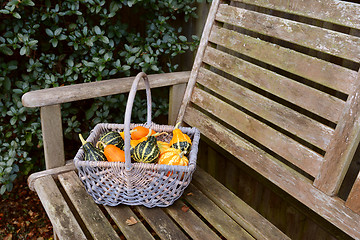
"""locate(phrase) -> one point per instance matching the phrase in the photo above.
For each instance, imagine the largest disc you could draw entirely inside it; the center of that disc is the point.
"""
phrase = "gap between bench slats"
(337, 12)
(64, 222)
(286, 147)
(320, 39)
(278, 173)
(286, 118)
(314, 69)
(93, 218)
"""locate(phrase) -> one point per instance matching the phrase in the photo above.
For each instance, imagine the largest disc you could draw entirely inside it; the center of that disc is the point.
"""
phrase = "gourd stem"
(177, 125)
(100, 142)
(82, 139)
(158, 134)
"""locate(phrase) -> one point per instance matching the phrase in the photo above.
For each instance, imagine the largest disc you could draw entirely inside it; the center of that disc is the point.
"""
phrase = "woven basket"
(148, 184)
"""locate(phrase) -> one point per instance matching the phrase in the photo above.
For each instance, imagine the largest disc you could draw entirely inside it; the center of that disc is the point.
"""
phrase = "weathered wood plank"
(279, 143)
(51, 96)
(54, 172)
(51, 126)
(120, 214)
(64, 223)
(332, 209)
(242, 213)
(94, 219)
(190, 222)
(176, 95)
(298, 124)
(215, 216)
(320, 39)
(314, 69)
(162, 224)
(198, 59)
(353, 200)
(342, 147)
(337, 12)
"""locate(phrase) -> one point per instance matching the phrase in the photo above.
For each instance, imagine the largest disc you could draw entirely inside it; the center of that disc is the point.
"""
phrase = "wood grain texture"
(314, 69)
(51, 126)
(331, 208)
(342, 146)
(337, 12)
(236, 208)
(279, 143)
(320, 39)
(64, 223)
(161, 223)
(286, 118)
(51, 96)
(94, 219)
(54, 172)
(176, 95)
(120, 214)
(198, 58)
(215, 216)
(190, 222)
(353, 200)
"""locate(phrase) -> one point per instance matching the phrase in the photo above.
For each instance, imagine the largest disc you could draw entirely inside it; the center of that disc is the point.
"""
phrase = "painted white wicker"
(148, 184)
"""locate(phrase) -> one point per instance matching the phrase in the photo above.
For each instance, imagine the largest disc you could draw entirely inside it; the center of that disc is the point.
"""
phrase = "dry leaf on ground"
(131, 221)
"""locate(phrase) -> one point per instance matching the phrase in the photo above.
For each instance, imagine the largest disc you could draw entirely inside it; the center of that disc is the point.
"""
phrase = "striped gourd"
(180, 140)
(113, 138)
(146, 151)
(91, 153)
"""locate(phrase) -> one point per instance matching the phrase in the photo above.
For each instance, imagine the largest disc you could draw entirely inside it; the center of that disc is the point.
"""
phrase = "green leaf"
(97, 30)
(57, 31)
(17, 15)
(23, 50)
(2, 189)
(49, 32)
(183, 38)
(155, 68)
(131, 59)
(6, 50)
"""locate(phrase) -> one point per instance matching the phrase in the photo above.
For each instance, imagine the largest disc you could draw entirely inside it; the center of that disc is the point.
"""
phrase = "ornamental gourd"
(91, 153)
(180, 140)
(113, 138)
(113, 153)
(173, 156)
(162, 146)
(146, 151)
(140, 132)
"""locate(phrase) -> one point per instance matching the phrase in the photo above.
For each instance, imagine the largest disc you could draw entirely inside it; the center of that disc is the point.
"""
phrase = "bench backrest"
(276, 84)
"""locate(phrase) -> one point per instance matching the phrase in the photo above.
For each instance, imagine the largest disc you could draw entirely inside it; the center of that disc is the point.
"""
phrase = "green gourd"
(146, 151)
(113, 138)
(91, 153)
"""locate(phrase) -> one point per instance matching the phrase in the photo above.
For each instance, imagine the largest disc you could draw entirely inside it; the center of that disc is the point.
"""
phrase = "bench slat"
(278, 173)
(63, 220)
(337, 12)
(353, 200)
(242, 213)
(279, 143)
(120, 214)
(294, 122)
(314, 69)
(190, 222)
(161, 223)
(320, 39)
(90, 213)
(215, 216)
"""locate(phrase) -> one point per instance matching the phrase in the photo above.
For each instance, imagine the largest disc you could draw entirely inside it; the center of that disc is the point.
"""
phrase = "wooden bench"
(276, 85)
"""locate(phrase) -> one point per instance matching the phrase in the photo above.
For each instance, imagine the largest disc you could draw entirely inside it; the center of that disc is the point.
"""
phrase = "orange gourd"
(163, 146)
(173, 156)
(140, 132)
(113, 153)
(180, 140)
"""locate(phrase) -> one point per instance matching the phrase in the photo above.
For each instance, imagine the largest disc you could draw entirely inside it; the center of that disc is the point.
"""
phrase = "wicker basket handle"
(128, 111)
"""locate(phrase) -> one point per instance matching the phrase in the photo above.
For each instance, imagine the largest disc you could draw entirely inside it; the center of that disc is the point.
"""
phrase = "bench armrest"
(58, 95)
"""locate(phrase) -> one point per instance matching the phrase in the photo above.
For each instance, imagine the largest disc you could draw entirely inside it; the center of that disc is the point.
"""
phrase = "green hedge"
(53, 43)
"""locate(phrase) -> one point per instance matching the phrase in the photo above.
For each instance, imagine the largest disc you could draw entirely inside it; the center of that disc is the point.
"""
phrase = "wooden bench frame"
(331, 149)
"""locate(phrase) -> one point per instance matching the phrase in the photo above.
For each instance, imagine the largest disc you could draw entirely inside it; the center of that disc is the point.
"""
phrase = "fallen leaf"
(190, 194)
(31, 213)
(8, 237)
(131, 221)
(184, 208)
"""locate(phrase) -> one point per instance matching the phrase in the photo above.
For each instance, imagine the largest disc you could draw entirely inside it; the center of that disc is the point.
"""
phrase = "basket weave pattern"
(148, 184)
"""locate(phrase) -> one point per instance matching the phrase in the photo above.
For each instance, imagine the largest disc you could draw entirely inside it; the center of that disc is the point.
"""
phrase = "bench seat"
(207, 210)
